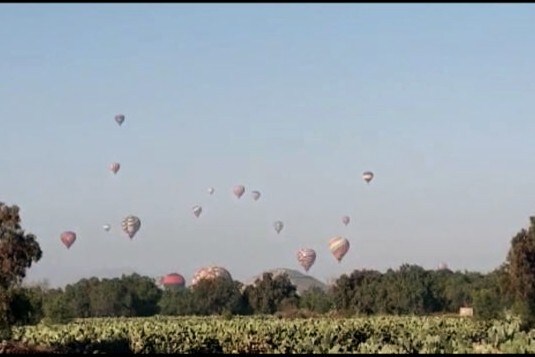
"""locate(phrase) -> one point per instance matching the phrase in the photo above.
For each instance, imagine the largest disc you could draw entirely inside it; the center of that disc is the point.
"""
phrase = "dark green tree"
(270, 294)
(18, 250)
(520, 265)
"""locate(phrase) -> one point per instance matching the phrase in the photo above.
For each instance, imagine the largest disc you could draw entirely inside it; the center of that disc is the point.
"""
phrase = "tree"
(18, 250)
(316, 299)
(269, 294)
(520, 265)
(217, 296)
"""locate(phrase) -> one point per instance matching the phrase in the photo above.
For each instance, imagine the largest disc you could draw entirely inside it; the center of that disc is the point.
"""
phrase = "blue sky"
(294, 100)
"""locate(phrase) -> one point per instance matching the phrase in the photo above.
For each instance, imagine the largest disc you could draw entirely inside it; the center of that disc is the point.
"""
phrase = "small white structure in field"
(466, 311)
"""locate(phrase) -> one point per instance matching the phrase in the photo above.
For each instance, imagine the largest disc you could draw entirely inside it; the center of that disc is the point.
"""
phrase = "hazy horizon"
(293, 100)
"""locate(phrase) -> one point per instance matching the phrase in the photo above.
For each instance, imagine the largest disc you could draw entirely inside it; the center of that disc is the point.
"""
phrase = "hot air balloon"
(306, 258)
(197, 210)
(173, 280)
(131, 225)
(345, 220)
(338, 247)
(443, 266)
(367, 176)
(210, 272)
(114, 167)
(68, 238)
(238, 190)
(211, 191)
(256, 195)
(106, 227)
(119, 118)
(278, 225)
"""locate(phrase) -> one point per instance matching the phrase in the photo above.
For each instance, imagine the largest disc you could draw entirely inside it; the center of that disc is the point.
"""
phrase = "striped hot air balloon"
(210, 272)
(68, 238)
(306, 258)
(114, 167)
(131, 225)
(338, 247)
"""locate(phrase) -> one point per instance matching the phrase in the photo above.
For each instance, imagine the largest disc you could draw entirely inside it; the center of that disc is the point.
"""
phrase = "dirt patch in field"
(10, 347)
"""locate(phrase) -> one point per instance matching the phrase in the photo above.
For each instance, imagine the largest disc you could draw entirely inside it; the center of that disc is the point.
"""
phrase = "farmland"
(269, 334)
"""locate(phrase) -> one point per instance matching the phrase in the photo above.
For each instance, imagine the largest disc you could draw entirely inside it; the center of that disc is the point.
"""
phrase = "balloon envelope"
(339, 247)
(278, 225)
(131, 225)
(114, 167)
(173, 279)
(197, 210)
(238, 190)
(68, 238)
(345, 220)
(119, 118)
(106, 227)
(211, 191)
(306, 258)
(210, 272)
(256, 195)
(367, 176)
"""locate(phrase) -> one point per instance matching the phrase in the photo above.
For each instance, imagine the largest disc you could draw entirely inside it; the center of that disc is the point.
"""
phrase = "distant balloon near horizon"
(256, 195)
(131, 225)
(173, 280)
(339, 247)
(368, 176)
(68, 238)
(115, 167)
(211, 190)
(278, 225)
(306, 258)
(106, 227)
(197, 210)
(443, 266)
(346, 220)
(119, 118)
(238, 190)
(210, 272)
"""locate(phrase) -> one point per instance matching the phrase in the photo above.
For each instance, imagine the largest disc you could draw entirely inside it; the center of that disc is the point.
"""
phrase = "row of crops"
(273, 335)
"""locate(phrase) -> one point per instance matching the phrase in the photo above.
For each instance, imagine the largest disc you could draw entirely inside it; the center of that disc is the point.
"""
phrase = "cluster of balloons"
(130, 224)
(306, 257)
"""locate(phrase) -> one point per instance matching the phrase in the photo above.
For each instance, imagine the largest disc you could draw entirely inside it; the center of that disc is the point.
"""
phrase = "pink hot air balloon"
(306, 258)
(368, 176)
(114, 167)
(238, 190)
(345, 220)
(68, 238)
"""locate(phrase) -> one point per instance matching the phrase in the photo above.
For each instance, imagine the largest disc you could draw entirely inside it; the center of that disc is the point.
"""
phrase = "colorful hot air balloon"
(106, 227)
(119, 118)
(278, 225)
(173, 280)
(68, 238)
(256, 195)
(197, 210)
(306, 258)
(338, 247)
(210, 272)
(211, 191)
(345, 220)
(238, 190)
(131, 225)
(367, 176)
(114, 167)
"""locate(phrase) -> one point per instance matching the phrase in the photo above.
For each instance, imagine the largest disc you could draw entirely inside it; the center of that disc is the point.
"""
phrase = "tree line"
(410, 289)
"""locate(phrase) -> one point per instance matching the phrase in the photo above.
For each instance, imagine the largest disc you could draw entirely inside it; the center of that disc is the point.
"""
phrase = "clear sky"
(294, 100)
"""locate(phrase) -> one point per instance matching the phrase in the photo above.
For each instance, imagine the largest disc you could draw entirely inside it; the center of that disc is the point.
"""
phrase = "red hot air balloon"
(68, 238)
(238, 190)
(173, 280)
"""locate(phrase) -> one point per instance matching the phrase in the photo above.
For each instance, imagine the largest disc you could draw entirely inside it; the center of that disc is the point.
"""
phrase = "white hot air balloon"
(106, 227)
(211, 191)
(367, 176)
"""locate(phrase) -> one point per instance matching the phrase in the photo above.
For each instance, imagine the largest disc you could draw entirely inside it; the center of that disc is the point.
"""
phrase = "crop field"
(276, 335)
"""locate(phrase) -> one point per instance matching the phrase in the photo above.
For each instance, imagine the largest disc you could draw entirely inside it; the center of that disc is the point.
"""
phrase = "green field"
(273, 335)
